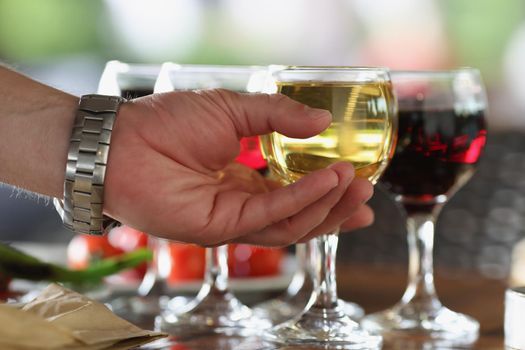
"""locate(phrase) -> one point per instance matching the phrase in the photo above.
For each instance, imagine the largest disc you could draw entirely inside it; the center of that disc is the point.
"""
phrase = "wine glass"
(129, 80)
(132, 81)
(441, 136)
(215, 309)
(298, 292)
(362, 132)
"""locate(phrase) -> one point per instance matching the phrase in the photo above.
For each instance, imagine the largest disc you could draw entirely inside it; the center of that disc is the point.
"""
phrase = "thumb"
(259, 114)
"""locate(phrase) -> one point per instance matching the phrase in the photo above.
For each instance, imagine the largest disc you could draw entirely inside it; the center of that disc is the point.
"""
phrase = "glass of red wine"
(442, 134)
(215, 309)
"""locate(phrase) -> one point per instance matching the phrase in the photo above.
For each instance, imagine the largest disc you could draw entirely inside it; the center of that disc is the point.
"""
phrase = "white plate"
(56, 253)
(245, 284)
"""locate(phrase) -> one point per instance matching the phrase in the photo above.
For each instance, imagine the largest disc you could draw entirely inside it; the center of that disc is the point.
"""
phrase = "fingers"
(359, 192)
(259, 114)
(284, 202)
(291, 229)
(362, 217)
(336, 209)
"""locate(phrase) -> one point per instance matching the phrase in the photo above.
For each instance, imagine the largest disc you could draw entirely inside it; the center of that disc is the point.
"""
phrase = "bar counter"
(376, 288)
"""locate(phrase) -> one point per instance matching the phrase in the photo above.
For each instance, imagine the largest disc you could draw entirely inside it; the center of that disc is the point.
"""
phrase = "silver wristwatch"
(81, 208)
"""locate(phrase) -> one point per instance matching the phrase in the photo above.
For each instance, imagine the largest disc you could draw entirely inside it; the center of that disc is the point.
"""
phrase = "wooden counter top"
(376, 288)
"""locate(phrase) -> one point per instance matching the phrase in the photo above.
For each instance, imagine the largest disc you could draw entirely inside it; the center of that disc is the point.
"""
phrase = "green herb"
(16, 264)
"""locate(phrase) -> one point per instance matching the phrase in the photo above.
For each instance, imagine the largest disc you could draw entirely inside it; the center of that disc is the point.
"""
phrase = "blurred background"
(66, 44)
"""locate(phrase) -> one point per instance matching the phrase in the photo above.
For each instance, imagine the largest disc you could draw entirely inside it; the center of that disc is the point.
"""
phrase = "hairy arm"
(35, 126)
(170, 166)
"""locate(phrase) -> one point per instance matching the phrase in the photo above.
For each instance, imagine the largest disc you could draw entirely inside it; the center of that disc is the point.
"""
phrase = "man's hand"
(171, 172)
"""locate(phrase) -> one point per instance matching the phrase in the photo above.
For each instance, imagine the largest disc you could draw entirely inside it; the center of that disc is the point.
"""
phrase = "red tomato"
(187, 262)
(249, 261)
(84, 249)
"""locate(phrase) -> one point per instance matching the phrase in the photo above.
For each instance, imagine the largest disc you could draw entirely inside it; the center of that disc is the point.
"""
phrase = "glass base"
(177, 302)
(138, 310)
(324, 327)
(149, 300)
(352, 310)
(215, 313)
(280, 310)
(438, 327)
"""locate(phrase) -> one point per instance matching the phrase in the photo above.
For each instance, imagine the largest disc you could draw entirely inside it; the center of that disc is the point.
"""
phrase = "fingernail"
(317, 113)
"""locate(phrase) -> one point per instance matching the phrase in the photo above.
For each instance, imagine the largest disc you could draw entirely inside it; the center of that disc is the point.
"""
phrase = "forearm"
(35, 126)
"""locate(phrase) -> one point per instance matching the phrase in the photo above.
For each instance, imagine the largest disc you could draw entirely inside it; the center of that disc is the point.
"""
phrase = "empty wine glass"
(362, 132)
(215, 309)
(441, 137)
(131, 81)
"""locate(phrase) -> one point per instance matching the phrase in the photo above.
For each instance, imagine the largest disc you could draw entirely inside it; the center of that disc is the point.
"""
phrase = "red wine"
(436, 152)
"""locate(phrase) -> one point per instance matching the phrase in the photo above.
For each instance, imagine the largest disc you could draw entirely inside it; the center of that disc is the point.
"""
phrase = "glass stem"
(301, 274)
(324, 254)
(216, 275)
(155, 280)
(421, 290)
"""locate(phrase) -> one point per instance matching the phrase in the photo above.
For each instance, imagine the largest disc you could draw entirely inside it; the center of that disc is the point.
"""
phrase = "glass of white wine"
(362, 132)
(215, 309)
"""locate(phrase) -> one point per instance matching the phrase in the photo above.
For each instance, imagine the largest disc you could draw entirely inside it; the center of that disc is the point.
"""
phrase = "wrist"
(61, 126)
(121, 144)
(35, 126)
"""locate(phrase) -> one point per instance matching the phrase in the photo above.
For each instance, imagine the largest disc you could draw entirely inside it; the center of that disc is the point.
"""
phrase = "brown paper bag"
(62, 319)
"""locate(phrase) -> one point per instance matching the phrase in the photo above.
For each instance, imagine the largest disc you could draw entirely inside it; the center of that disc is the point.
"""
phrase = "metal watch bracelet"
(81, 208)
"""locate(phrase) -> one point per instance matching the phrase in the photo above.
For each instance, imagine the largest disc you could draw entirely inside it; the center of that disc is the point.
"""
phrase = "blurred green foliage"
(36, 29)
(479, 31)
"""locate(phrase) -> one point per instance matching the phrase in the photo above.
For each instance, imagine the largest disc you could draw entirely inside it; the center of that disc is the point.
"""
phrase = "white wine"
(363, 130)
